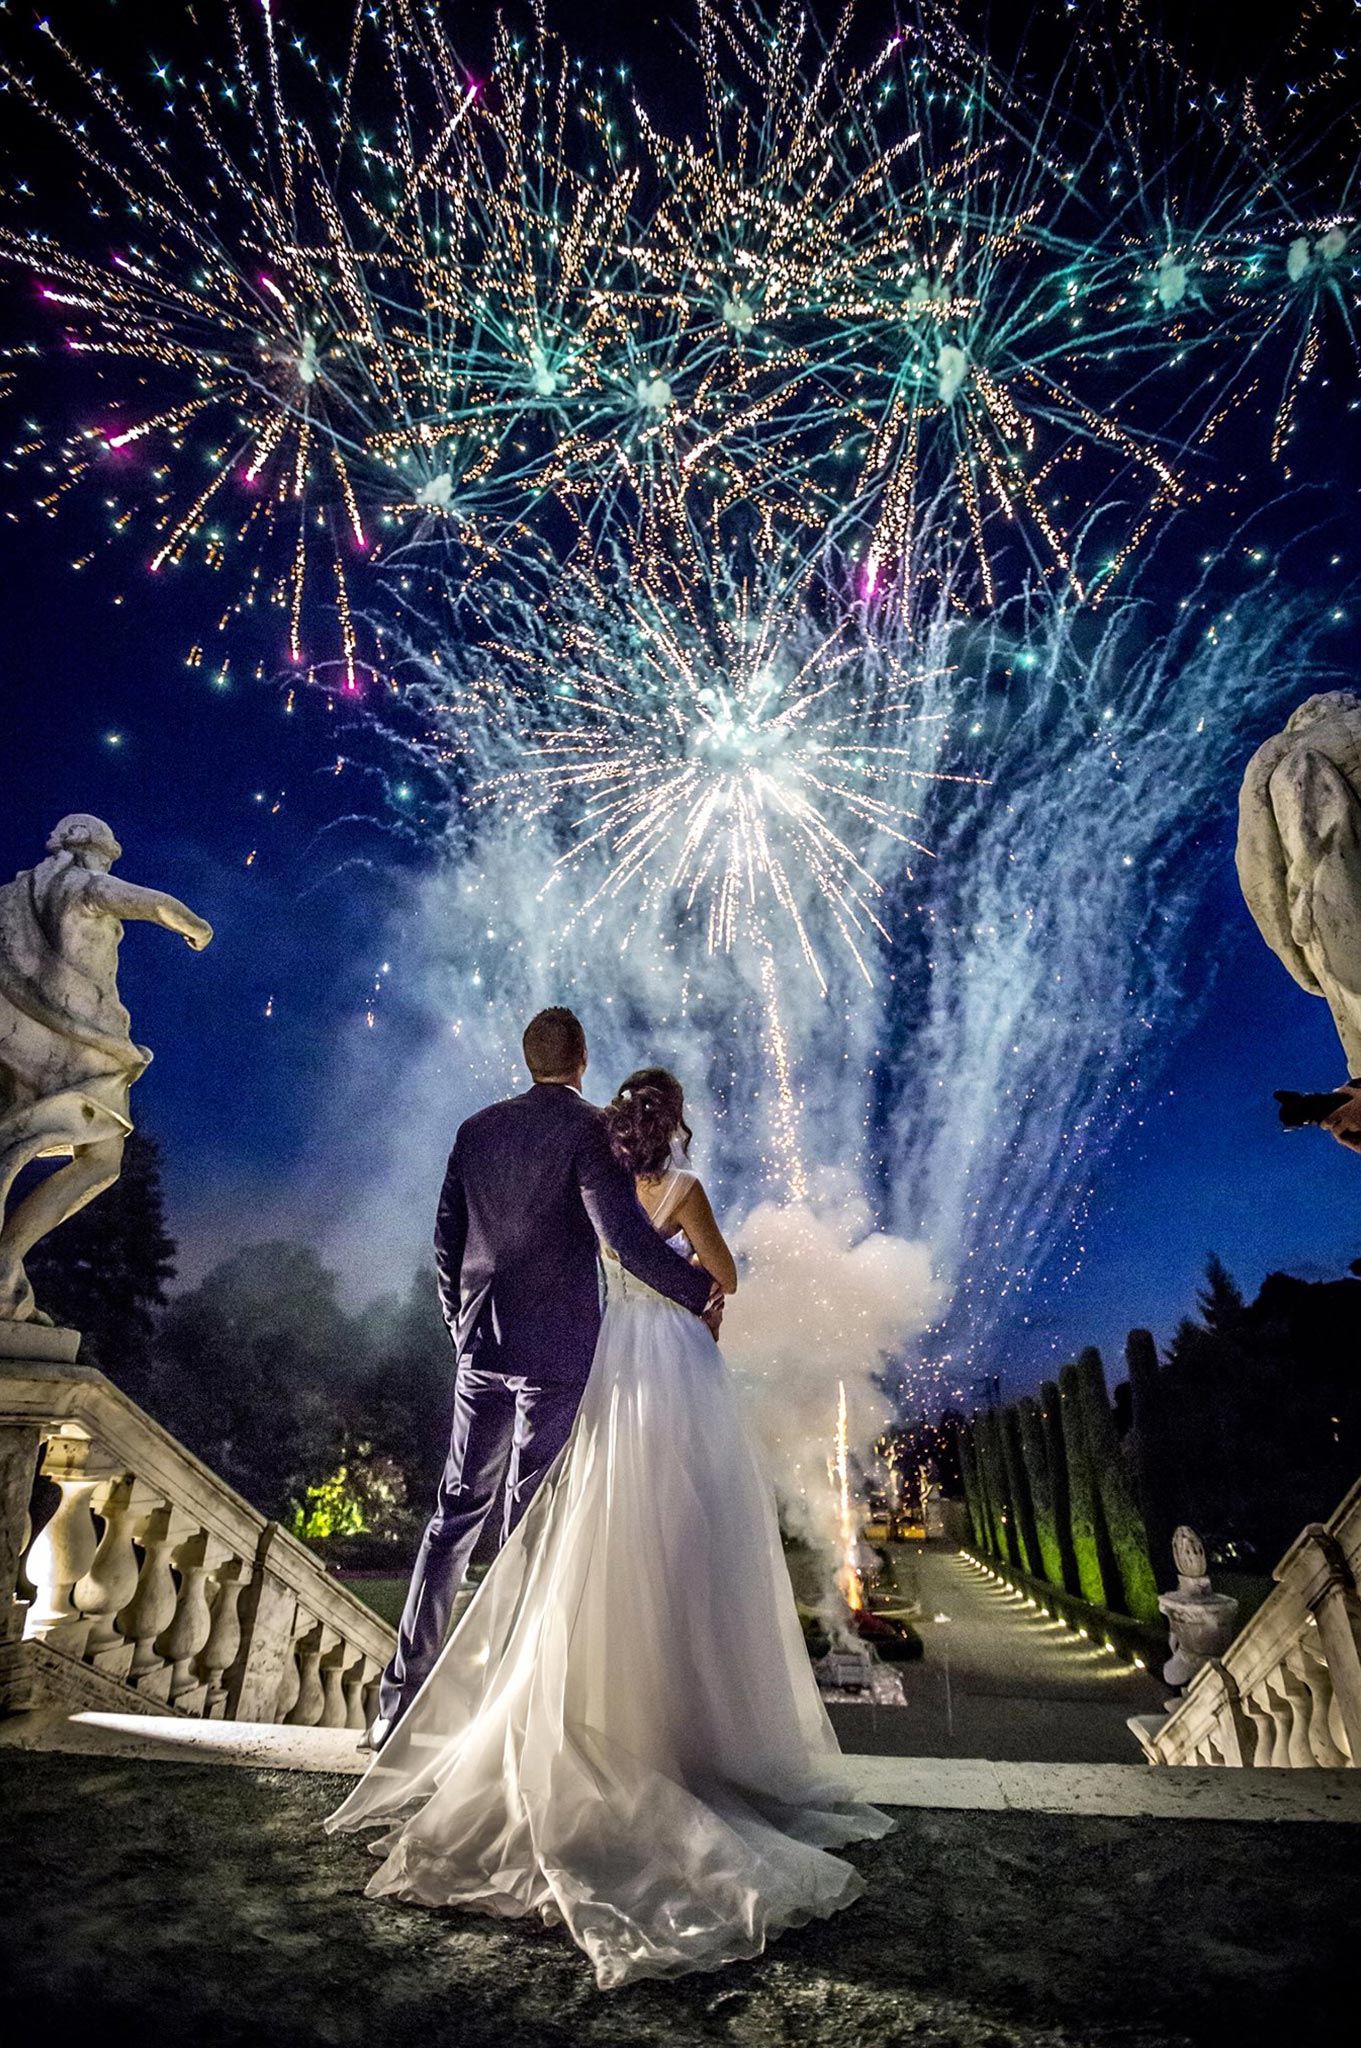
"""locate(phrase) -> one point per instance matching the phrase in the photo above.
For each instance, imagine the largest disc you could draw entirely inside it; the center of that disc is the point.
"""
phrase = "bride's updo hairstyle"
(644, 1120)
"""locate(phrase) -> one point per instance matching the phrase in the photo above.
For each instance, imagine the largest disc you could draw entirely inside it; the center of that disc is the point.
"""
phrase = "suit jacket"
(531, 1185)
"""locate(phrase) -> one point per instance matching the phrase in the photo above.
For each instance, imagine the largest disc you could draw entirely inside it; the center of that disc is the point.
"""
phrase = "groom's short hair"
(554, 1044)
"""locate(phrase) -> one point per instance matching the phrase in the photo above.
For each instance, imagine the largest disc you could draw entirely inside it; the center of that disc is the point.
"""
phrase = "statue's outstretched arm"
(152, 906)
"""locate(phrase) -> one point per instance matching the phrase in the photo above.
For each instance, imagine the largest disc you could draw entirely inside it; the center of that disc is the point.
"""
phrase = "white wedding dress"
(623, 1732)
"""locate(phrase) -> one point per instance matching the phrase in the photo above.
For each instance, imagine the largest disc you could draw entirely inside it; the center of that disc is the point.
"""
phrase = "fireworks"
(401, 319)
(707, 747)
(231, 299)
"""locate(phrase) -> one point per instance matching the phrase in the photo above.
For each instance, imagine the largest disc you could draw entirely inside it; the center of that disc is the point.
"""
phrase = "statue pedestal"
(38, 1344)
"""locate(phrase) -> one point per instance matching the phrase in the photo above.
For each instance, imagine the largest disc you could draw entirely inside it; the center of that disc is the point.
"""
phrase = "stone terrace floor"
(167, 1903)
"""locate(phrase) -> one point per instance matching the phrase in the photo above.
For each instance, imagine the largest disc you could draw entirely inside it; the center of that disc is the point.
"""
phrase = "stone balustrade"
(150, 1586)
(1287, 1692)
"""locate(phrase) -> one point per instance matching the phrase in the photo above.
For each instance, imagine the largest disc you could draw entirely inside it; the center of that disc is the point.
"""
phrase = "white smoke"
(824, 1297)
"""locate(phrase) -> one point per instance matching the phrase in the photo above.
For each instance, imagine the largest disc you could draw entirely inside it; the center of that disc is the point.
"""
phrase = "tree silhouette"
(258, 1370)
(104, 1272)
(1220, 1300)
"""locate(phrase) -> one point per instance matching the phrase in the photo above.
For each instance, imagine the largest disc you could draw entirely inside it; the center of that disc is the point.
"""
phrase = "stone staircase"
(152, 1589)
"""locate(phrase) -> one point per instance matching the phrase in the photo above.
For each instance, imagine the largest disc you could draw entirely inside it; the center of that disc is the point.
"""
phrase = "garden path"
(1000, 1679)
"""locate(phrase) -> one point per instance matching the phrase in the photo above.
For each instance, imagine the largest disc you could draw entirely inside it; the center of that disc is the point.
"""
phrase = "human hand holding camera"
(1345, 1122)
(1338, 1112)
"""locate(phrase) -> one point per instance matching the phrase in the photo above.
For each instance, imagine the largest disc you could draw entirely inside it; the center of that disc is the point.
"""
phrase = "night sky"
(258, 1090)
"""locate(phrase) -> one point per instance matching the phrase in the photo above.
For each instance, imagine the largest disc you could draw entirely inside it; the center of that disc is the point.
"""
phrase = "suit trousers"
(506, 1427)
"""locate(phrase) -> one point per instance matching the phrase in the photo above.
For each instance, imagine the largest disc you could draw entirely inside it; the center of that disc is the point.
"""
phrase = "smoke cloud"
(824, 1297)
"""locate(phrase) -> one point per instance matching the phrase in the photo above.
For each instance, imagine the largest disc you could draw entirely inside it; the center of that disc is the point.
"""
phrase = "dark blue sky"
(244, 1101)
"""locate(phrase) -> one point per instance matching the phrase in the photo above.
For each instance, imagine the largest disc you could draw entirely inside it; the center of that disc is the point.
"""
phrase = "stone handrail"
(154, 1587)
(1287, 1691)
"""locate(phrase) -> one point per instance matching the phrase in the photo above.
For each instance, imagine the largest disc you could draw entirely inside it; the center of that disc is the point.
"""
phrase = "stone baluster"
(333, 1709)
(152, 1606)
(220, 1651)
(262, 1680)
(1276, 1715)
(290, 1685)
(355, 1680)
(369, 1698)
(18, 1462)
(180, 1642)
(309, 1649)
(1262, 1723)
(1235, 1732)
(1337, 1727)
(1292, 1744)
(64, 1549)
(1339, 1631)
(111, 1581)
(1310, 1667)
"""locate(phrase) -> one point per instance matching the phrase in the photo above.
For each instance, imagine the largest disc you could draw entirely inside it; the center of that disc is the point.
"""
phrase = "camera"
(1298, 1112)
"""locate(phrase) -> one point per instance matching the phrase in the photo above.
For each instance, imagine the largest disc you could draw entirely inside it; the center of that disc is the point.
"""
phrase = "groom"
(531, 1186)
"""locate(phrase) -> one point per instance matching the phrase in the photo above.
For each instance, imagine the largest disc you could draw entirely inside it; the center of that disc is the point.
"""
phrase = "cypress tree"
(1035, 1452)
(992, 1521)
(1152, 1451)
(1003, 1509)
(1135, 1590)
(1051, 1417)
(1027, 1542)
(1083, 1508)
(968, 1467)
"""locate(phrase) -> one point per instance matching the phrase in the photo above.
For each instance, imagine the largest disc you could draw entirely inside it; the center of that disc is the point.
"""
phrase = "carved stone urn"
(1200, 1622)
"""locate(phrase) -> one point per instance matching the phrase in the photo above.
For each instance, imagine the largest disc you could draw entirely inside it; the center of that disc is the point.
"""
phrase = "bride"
(623, 1732)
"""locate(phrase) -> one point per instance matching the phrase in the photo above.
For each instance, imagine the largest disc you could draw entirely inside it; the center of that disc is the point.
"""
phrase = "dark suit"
(530, 1187)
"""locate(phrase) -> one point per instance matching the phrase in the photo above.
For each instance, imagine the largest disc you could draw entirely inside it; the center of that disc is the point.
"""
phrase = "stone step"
(257, 1745)
(1129, 1790)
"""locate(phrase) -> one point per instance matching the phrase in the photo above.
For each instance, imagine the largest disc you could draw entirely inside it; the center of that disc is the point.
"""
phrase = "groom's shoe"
(373, 1738)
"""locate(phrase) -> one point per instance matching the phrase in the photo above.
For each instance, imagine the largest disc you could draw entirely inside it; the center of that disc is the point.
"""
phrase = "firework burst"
(737, 751)
(233, 295)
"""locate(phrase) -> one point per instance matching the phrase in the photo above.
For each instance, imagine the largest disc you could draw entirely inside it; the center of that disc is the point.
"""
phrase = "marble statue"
(67, 1062)
(1299, 853)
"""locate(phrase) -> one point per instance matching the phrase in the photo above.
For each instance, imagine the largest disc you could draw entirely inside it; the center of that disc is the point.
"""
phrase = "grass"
(384, 1596)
